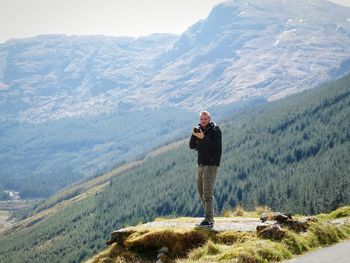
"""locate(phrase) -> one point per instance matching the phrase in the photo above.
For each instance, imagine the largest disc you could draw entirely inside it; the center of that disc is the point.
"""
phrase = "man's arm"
(193, 142)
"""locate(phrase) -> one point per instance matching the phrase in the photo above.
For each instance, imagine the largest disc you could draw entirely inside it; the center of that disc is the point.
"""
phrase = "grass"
(4, 224)
(240, 211)
(338, 213)
(253, 250)
(191, 245)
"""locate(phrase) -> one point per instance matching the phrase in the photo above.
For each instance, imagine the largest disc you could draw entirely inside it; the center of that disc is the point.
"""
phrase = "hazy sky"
(23, 18)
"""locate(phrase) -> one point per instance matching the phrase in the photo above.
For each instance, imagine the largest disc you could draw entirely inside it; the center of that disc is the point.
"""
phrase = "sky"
(25, 18)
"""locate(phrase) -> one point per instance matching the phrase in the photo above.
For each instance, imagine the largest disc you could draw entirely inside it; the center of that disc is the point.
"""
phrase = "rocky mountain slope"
(255, 48)
(93, 102)
(50, 77)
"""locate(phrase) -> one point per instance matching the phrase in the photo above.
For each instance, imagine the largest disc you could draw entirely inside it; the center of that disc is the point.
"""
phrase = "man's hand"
(199, 135)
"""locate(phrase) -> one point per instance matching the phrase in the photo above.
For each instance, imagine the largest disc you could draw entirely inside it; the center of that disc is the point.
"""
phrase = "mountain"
(73, 107)
(255, 48)
(291, 155)
(51, 77)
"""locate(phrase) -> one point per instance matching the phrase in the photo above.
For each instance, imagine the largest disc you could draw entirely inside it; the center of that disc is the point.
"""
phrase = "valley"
(290, 154)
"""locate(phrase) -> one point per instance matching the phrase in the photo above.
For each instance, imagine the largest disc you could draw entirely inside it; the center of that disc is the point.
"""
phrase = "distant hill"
(291, 155)
(72, 107)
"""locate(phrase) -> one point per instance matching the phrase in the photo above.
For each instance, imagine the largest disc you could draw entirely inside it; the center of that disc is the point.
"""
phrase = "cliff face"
(259, 236)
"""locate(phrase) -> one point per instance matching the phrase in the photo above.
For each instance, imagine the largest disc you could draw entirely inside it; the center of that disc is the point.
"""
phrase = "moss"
(256, 251)
(338, 213)
(231, 237)
(297, 243)
(211, 248)
(205, 251)
(327, 233)
(119, 254)
(177, 241)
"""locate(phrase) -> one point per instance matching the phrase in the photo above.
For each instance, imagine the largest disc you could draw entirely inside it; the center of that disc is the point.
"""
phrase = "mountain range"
(72, 107)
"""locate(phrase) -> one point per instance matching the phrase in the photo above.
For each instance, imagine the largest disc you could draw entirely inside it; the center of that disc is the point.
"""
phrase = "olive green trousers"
(206, 176)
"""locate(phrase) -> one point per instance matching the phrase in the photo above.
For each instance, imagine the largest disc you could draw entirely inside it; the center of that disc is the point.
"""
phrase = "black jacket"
(209, 148)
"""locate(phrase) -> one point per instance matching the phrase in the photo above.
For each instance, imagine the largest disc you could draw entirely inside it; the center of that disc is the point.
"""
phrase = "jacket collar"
(208, 127)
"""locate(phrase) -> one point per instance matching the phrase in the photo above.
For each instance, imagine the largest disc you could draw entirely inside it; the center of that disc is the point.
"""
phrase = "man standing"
(206, 140)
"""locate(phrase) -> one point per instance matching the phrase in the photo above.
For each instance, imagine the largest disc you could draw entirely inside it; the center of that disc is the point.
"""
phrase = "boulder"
(282, 220)
(295, 225)
(299, 226)
(162, 258)
(163, 249)
(120, 235)
(262, 227)
(279, 217)
(274, 231)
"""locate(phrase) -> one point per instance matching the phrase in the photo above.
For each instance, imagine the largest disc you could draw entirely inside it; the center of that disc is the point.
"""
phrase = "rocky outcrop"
(274, 225)
(120, 235)
(280, 217)
(274, 231)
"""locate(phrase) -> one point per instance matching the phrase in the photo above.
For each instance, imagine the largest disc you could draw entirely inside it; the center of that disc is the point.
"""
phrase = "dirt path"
(338, 253)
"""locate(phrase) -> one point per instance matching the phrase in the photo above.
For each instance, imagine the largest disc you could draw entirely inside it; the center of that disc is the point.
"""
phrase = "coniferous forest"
(291, 154)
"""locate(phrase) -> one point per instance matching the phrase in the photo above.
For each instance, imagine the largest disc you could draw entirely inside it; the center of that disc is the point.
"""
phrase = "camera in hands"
(196, 130)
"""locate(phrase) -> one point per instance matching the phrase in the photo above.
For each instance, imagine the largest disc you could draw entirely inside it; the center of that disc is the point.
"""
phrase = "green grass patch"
(338, 213)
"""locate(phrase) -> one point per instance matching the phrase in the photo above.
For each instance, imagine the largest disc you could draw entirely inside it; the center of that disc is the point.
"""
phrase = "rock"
(282, 220)
(163, 249)
(274, 231)
(295, 225)
(264, 217)
(262, 227)
(160, 255)
(162, 258)
(119, 236)
(311, 219)
(279, 217)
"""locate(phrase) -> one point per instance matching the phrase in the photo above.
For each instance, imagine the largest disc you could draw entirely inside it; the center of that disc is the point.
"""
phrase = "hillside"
(292, 155)
(76, 99)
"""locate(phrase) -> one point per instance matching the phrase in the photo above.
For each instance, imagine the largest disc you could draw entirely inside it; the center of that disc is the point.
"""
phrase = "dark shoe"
(205, 224)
